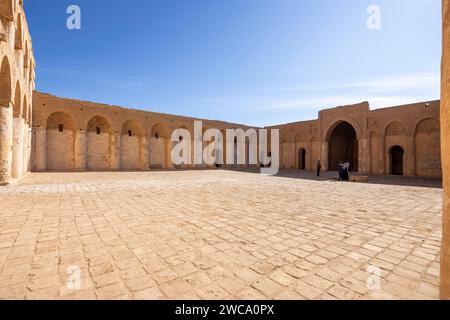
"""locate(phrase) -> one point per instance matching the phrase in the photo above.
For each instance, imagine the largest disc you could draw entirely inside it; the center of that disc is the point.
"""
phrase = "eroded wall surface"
(16, 91)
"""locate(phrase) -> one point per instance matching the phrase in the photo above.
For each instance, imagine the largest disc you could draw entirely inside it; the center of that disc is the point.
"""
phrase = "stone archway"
(159, 154)
(343, 146)
(396, 156)
(130, 146)
(98, 144)
(60, 142)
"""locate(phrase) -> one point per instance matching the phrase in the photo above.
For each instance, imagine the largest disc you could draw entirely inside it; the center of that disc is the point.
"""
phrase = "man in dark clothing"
(341, 171)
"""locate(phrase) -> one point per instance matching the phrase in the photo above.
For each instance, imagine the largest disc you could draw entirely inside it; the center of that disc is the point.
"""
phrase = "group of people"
(343, 169)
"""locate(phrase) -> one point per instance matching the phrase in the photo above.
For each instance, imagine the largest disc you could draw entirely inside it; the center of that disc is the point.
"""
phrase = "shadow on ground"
(325, 176)
(333, 176)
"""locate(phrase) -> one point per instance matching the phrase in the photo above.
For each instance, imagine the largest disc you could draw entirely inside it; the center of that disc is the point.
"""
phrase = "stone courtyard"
(216, 234)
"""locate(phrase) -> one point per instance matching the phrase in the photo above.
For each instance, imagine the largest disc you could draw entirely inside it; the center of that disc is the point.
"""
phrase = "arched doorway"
(5, 84)
(396, 154)
(302, 159)
(343, 147)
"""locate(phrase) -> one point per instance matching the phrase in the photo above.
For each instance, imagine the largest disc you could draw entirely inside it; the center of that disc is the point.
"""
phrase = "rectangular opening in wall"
(61, 128)
(98, 130)
(129, 133)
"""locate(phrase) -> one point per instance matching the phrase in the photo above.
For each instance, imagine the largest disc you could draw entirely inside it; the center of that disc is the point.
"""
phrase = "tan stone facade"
(401, 140)
(16, 91)
(76, 135)
(445, 121)
(72, 135)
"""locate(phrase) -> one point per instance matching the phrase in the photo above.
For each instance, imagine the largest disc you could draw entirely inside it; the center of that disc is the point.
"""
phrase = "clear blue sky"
(257, 62)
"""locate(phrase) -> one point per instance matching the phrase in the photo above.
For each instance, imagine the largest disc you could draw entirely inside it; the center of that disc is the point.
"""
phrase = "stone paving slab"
(217, 235)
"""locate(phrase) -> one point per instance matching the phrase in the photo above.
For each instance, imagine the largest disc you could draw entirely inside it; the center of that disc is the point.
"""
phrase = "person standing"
(346, 170)
(319, 167)
(341, 171)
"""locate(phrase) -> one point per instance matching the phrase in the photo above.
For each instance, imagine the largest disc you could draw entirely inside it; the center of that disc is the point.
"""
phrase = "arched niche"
(98, 144)
(60, 130)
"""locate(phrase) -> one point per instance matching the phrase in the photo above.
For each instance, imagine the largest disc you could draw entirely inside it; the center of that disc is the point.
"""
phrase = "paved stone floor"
(218, 235)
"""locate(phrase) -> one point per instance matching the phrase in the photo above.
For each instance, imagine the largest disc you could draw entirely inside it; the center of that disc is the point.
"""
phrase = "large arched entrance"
(301, 159)
(343, 147)
(396, 154)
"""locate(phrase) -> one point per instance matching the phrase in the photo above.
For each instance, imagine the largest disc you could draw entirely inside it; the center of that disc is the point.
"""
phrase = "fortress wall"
(16, 90)
(415, 128)
(73, 135)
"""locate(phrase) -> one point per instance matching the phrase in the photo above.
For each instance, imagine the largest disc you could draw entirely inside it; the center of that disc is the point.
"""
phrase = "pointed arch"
(343, 119)
(342, 145)
(5, 83)
(395, 128)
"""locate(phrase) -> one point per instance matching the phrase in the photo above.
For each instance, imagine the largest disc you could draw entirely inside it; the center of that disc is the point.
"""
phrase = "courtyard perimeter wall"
(415, 128)
(16, 91)
(73, 135)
